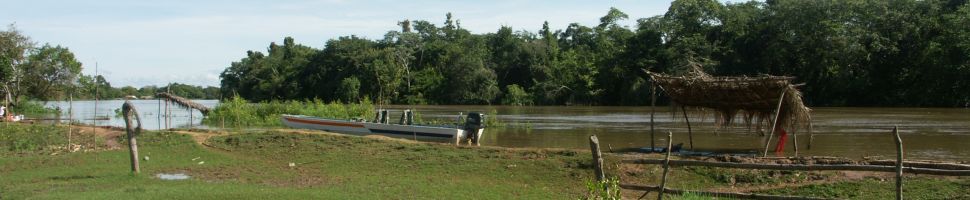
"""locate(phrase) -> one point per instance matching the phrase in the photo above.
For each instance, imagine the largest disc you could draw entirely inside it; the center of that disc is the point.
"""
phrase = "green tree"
(50, 70)
(14, 47)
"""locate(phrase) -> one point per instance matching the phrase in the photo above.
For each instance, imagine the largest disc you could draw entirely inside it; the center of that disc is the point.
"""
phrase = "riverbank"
(298, 164)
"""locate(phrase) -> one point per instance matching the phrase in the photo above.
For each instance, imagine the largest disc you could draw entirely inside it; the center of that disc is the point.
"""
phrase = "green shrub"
(239, 112)
(608, 189)
(33, 108)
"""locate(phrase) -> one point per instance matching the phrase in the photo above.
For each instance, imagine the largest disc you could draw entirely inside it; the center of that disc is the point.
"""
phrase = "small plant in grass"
(608, 189)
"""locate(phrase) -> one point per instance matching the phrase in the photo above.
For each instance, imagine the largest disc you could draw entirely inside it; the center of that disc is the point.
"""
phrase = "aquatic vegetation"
(237, 112)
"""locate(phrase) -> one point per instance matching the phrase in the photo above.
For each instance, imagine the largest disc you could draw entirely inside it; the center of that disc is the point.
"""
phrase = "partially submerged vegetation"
(237, 112)
(289, 164)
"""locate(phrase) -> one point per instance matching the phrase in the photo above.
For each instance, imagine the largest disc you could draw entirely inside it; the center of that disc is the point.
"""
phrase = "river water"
(927, 133)
(151, 112)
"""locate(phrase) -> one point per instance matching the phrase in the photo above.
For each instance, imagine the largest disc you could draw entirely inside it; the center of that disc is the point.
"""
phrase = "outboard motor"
(474, 126)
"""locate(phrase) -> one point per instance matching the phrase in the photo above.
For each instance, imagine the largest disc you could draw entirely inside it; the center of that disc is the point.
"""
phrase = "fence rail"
(898, 167)
(801, 167)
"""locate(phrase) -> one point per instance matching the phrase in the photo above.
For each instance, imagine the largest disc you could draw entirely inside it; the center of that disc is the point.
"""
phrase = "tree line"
(847, 52)
(51, 72)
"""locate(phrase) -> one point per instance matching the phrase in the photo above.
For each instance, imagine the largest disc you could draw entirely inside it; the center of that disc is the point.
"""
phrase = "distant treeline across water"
(849, 53)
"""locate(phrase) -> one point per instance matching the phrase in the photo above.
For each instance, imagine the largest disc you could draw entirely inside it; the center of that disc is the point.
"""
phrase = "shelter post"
(690, 134)
(653, 110)
(774, 124)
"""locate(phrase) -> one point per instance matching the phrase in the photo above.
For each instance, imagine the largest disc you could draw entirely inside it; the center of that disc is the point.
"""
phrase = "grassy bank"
(237, 112)
(291, 164)
(257, 165)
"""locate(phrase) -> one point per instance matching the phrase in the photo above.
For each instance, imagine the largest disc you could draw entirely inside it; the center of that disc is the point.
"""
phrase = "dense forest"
(51, 72)
(848, 52)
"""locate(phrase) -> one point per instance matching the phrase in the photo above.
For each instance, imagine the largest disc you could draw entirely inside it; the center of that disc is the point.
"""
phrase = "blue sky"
(142, 43)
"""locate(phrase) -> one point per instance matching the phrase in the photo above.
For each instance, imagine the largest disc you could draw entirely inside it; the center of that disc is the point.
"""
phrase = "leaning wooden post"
(594, 147)
(653, 109)
(794, 138)
(690, 133)
(663, 179)
(899, 164)
(133, 130)
(774, 124)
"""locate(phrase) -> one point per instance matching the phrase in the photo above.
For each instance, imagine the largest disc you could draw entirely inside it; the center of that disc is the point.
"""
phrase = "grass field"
(35, 164)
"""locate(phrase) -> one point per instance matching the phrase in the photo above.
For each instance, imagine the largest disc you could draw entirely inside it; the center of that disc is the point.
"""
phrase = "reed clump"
(238, 112)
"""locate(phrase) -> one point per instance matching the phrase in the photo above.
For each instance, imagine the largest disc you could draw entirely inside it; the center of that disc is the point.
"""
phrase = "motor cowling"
(474, 123)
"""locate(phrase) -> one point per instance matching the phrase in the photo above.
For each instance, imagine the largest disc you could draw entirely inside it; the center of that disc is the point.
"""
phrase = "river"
(927, 133)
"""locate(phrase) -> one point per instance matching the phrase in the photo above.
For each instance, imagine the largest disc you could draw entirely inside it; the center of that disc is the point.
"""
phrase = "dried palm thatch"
(183, 102)
(727, 96)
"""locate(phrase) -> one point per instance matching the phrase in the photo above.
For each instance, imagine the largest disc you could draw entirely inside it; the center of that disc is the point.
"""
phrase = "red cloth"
(782, 137)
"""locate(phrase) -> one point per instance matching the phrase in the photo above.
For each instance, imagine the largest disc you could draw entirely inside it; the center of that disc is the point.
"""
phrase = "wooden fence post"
(594, 146)
(663, 179)
(899, 164)
(133, 130)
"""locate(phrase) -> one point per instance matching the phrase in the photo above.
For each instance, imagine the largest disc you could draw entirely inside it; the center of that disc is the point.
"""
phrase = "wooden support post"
(811, 135)
(70, 120)
(774, 124)
(594, 147)
(191, 118)
(133, 130)
(899, 164)
(690, 133)
(653, 110)
(794, 138)
(663, 179)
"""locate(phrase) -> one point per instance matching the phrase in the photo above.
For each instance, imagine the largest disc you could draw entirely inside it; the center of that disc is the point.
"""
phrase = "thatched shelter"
(183, 102)
(760, 98)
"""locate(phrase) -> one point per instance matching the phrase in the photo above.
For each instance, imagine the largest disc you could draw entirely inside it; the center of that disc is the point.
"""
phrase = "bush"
(516, 96)
(239, 112)
(32, 108)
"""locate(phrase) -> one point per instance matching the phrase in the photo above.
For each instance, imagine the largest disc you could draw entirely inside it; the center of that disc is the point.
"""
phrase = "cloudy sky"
(142, 43)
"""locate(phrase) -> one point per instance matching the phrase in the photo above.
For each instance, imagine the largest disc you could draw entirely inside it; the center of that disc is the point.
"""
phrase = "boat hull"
(366, 128)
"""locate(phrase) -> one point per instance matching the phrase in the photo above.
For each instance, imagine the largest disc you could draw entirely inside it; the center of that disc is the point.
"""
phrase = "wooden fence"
(898, 169)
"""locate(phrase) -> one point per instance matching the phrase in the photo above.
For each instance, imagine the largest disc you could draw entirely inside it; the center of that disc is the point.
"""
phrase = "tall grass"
(18, 138)
(32, 109)
(238, 112)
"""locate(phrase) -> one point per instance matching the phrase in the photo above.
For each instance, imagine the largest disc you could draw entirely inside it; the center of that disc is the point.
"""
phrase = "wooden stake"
(70, 120)
(774, 124)
(663, 179)
(594, 147)
(653, 110)
(133, 130)
(689, 132)
(899, 164)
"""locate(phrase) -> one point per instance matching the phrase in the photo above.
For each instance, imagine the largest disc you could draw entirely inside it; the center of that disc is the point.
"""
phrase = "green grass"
(255, 165)
(913, 188)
